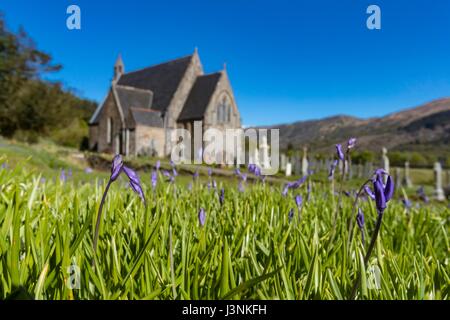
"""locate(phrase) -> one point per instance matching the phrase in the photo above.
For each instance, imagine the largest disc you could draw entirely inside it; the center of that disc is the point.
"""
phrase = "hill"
(423, 128)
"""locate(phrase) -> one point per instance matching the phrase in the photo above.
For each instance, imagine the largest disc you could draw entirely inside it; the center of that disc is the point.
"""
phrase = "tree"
(29, 105)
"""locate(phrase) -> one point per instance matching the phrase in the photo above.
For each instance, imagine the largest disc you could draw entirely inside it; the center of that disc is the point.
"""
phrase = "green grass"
(247, 249)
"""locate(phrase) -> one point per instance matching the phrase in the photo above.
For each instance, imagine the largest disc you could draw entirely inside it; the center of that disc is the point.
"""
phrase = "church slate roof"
(147, 117)
(132, 97)
(199, 97)
(162, 79)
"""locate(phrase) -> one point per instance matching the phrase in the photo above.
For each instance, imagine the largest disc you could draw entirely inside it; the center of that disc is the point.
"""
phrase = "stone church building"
(143, 105)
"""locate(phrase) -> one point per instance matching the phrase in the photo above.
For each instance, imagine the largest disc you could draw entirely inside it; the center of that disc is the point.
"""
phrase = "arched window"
(224, 111)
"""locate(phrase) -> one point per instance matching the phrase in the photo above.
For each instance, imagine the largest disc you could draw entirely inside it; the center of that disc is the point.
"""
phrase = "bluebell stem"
(360, 222)
(202, 217)
(116, 169)
(383, 193)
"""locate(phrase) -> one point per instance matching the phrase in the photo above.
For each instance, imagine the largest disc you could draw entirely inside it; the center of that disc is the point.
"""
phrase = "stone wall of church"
(111, 111)
(195, 69)
(93, 137)
(149, 140)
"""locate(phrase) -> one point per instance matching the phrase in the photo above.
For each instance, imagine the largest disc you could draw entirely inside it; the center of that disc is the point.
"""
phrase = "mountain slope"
(423, 127)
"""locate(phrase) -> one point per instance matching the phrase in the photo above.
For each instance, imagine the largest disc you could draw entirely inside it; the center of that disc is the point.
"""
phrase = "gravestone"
(288, 169)
(438, 191)
(406, 179)
(297, 166)
(305, 162)
(283, 162)
(398, 179)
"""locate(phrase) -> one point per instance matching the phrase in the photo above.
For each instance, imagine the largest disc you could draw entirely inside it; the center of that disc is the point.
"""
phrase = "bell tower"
(119, 68)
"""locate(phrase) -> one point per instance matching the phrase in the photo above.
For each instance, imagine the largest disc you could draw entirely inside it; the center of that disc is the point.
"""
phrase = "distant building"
(142, 105)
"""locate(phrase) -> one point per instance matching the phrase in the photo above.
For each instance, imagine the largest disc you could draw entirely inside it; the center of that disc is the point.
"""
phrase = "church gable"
(222, 111)
(199, 97)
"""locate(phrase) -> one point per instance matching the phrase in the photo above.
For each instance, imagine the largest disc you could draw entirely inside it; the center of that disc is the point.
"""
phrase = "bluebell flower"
(202, 217)
(154, 178)
(134, 182)
(332, 169)
(222, 196)
(291, 215)
(339, 152)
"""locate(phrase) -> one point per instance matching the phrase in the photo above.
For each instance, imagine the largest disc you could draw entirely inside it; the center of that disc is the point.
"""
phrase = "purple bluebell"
(201, 217)
(407, 203)
(380, 198)
(88, 170)
(241, 187)
(294, 185)
(332, 168)
(157, 165)
(360, 218)
(298, 201)
(389, 189)
(189, 186)
(351, 144)
(209, 172)
(62, 176)
(154, 178)
(214, 184)
(134, 182)
(291, 215)
(222, 196)
(195, 175)
(237, 172)
(369, 192)
(422, 195)
(116, 168)
(360, 223)
(251, 168)
(339, 152)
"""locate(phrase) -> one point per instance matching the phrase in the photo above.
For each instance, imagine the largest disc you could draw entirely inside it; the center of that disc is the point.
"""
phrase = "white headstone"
(438, 191)
(288, 169)
(283, 162)
(305, 162)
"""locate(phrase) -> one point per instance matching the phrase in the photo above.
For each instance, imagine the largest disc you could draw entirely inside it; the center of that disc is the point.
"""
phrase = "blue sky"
(287, 60)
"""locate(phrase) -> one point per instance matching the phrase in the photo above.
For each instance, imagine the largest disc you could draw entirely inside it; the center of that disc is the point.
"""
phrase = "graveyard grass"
(247, 249)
